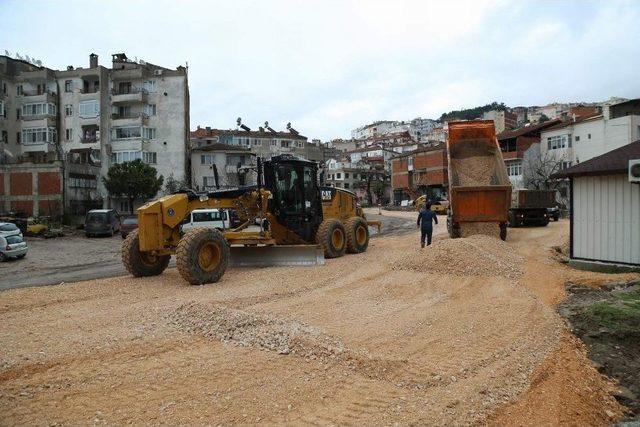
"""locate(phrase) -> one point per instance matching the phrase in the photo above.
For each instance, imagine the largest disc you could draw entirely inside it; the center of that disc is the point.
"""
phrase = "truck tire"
(141, 264)
(202, 256)
(357, 235)
(503, 231)
(331, 237)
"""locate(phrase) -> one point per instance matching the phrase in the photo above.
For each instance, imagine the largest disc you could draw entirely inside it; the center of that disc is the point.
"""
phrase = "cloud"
(330, 66)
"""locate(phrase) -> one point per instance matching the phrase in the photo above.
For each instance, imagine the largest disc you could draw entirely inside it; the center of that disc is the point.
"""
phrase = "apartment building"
(515, 144)
(418, 129)
(368, 182)
(79, 121)
(583, 138)
(216, 165)
(265, 142)
(418, 172)
(502, 120)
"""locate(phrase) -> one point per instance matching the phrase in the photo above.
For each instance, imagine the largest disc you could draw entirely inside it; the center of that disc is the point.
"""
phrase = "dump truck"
(479, 188)
(530, 207)
(287, 219)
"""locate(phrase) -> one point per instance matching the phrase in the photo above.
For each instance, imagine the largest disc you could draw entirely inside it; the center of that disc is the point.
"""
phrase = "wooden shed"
(605, 211)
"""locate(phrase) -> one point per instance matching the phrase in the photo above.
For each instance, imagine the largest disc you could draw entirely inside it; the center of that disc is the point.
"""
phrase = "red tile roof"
(508, 134)
(205, 133)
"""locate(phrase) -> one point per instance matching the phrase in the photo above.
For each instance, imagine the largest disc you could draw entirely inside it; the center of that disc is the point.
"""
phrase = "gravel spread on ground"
(367, 344)
(477, 255)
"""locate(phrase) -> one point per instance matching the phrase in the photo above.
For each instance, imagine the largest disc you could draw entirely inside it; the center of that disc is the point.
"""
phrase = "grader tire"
(141, 264)
(332, 238)
(357, 235)
(202, 256)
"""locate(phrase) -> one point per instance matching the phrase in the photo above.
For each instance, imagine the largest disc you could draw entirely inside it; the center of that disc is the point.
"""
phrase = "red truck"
(479, 188)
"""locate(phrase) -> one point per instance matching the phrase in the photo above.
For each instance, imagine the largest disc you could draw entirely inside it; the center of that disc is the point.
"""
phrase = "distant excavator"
(287, 219)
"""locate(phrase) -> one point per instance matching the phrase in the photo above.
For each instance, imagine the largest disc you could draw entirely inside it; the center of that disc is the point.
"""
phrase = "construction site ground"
(395, 335)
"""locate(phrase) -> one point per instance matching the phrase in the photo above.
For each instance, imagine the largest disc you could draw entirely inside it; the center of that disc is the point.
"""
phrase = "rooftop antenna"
(239, 121)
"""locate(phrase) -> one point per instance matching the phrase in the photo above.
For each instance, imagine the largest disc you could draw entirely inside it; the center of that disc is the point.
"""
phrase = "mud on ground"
(607, 320)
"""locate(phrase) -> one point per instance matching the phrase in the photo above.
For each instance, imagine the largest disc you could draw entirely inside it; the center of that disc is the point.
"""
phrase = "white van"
(213, 218)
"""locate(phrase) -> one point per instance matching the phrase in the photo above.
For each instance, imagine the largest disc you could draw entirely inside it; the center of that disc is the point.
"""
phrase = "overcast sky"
(330, 66)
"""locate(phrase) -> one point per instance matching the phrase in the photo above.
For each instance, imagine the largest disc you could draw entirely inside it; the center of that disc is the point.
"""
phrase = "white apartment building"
(148, 117)
(418, 129)
(572, 142)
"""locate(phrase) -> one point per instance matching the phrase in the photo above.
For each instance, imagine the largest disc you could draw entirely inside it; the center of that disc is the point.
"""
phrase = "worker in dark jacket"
(425, 218)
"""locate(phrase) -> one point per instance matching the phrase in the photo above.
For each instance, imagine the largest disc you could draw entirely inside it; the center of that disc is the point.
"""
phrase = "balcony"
(132, 119)
(38, 147)
(33, 96)
(129, 96)
(48, 119)
(231, 168)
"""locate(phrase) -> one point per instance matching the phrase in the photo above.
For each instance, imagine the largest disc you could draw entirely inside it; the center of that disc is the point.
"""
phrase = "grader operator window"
(296, 200)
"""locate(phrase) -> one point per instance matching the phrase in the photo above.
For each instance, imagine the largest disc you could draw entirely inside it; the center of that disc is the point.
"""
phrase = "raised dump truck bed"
(479, 188)
(529, 207)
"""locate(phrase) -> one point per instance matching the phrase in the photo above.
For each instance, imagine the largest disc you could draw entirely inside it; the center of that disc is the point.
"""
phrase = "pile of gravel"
(468, 229)
(477, 255)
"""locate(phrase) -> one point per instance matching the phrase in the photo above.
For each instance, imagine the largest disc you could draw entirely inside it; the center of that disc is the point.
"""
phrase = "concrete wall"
(605, 220)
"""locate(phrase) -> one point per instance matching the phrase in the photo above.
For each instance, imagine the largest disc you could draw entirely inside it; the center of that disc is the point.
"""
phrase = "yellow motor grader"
(287, 219)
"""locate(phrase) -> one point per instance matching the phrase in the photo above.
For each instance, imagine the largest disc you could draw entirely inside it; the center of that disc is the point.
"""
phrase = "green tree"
(133, 180)
(171, 185)
(543, 119)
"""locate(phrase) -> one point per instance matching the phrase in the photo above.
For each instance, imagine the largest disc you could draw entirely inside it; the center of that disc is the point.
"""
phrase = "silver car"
(12, 247)
(9, 229)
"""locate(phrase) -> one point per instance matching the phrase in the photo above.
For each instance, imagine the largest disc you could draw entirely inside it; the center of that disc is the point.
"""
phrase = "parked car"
(127, 225)
(101, 222)
(9, 229)
(553, 213)
(12, 246)
(213, 218)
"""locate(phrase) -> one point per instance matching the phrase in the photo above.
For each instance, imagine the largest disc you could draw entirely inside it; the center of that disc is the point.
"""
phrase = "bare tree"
(537, 171)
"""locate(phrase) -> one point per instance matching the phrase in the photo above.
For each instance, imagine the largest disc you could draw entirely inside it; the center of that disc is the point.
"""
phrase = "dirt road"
(76, 258)
(358, 341)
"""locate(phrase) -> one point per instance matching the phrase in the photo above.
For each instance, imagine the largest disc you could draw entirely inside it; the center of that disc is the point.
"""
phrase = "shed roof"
(508, 134)
(615, 161)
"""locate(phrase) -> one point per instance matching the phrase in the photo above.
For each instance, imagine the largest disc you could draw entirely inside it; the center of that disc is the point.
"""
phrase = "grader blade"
(271, 256)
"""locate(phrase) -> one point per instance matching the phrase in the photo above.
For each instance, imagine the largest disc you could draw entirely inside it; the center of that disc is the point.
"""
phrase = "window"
(588, 136)
(346, 185)
(149, 158)
(82, 181)
(68, 110)
(5, 136)
(300, 144)
(257, 142)
(577, 139)
(18, 114)
(68, 134)
(18, 137)
(127, 132)
(150, 109)
(88, 109)
(514, 169)
(19, 90)
(206, 159)
(346, 175)
(208, 181)
(67, 86)
(4, 88)
(558, 141)
(339, 175)
(3, 110)
(125, 156)
(274, 142)
(565, 165)
(125, 206)
(285, 144)
(149, 85)
(39, 109)
(38, 135)
(149, 133)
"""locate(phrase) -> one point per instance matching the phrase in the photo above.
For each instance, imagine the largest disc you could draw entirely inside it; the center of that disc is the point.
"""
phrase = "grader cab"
(287, 218)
